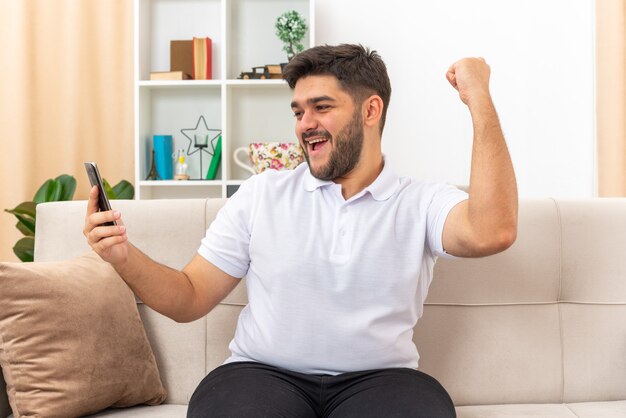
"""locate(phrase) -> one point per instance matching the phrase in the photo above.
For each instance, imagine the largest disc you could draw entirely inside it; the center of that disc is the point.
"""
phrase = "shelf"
(179, 183)
(179, 83)
(210, 83)
(245, 111)
(160, 21)
(256, 83)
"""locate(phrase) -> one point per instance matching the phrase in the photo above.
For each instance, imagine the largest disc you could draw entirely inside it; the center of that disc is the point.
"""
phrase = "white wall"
(541, 54)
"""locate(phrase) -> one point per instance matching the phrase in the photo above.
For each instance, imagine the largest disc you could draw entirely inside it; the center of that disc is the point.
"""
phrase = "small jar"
(180, 171)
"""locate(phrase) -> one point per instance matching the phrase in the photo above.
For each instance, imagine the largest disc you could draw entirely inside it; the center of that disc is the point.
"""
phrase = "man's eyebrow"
(314, 100)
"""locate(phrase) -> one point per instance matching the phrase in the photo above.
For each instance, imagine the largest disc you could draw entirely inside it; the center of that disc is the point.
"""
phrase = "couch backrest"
(168, 231)
(540, 322)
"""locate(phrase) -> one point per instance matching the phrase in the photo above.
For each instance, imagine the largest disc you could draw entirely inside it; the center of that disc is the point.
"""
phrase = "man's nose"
(308, 122)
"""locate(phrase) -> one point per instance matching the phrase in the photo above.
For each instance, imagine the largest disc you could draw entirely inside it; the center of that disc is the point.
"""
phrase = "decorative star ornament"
(199, 130)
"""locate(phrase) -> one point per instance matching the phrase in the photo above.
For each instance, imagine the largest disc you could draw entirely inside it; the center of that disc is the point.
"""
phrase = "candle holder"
(203, 140)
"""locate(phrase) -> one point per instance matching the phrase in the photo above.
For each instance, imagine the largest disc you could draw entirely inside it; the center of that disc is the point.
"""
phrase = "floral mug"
(270, 156)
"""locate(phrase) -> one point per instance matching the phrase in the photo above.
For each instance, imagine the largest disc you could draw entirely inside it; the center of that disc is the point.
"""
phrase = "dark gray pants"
(255, 390)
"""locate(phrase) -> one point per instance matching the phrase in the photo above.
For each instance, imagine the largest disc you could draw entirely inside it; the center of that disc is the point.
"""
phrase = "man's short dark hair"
(360, 72)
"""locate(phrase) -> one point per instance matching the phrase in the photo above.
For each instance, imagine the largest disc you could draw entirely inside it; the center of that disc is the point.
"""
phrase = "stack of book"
(189, 59)
(169, 75)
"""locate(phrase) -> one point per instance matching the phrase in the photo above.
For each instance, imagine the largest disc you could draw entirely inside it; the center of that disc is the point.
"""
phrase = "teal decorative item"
(163, 150)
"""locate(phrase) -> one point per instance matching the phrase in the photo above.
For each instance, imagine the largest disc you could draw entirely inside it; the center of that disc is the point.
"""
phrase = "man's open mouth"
(316, 143)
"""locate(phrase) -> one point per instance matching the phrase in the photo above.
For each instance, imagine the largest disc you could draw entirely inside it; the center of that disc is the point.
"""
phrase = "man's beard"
(346, 150)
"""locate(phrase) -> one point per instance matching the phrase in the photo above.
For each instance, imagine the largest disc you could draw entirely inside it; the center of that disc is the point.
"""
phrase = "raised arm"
(181, 295)
(486, 223)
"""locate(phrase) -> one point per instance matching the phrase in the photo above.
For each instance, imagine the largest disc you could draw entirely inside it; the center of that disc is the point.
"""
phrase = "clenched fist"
(470, 77)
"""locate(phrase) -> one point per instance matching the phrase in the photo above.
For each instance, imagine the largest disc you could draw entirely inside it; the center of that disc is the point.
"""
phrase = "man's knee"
(403, 393)
(246, 390)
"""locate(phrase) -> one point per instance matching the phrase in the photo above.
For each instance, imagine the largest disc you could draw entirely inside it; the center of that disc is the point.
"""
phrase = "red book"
(202, 59)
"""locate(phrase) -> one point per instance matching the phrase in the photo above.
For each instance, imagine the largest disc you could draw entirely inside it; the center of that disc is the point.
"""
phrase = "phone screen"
(94, 178)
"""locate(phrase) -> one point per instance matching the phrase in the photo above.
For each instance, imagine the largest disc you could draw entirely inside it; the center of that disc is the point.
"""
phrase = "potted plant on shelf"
(290, 29)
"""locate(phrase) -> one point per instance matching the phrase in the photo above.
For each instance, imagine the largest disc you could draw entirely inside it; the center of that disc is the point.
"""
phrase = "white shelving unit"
(242, 34)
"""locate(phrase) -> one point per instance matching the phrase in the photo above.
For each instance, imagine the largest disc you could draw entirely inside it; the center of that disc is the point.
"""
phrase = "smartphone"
(94, 178)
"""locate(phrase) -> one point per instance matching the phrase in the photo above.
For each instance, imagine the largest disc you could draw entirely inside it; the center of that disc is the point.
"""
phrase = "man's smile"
(315, 141)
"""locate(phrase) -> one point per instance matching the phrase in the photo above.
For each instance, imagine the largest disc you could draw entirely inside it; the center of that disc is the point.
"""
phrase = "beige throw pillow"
(71, 340)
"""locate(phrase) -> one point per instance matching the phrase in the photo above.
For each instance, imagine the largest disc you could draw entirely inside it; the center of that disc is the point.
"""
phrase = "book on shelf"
(215, 160)
(169, 75)
(202, 60)
(181, 56)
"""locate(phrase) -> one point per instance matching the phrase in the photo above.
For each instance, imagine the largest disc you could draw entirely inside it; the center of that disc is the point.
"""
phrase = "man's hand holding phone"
(109, 241)
(104, 229)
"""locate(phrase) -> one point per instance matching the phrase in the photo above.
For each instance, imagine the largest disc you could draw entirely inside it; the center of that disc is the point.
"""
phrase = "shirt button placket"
(343, 231)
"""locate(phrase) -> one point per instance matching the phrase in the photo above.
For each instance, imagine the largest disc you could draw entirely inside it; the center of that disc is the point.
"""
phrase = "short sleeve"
(444, 199)
(227, 240)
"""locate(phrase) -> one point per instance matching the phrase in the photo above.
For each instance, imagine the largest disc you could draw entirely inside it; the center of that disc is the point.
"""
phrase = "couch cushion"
(528, 272)
(615, 409)
(159, 411)
(154, 226)
(489, 354)
(179, 350)
(221, 323)
(71, 340)
(594, 352)
(594, 299)
(572, 410)
(515, 411)
(593, 251)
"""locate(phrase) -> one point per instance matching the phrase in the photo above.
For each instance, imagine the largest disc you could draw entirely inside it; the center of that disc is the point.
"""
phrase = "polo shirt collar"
(382, 188)
(311, 183)
(386, 184)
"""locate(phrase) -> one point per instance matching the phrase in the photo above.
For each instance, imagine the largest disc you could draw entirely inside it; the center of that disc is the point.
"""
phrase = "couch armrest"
(5, 409)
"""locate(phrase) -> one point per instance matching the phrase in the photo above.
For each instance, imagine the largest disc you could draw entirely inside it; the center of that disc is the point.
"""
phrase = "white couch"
(536, 331)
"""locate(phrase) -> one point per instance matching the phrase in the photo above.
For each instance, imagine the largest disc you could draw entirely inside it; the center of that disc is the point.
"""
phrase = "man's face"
(328, 126)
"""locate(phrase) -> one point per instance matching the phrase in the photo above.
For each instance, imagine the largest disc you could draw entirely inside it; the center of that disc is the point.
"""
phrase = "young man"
(338, 253)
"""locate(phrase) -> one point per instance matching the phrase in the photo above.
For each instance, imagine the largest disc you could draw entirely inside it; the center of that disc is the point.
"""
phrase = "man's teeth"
(315, 141)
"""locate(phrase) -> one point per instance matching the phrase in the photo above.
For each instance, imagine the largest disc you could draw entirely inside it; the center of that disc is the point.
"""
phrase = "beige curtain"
(611, 96)
(66, 96)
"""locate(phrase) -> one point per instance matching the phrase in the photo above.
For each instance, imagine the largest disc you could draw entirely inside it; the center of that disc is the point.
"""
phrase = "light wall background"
(66, 89)
(542, 59)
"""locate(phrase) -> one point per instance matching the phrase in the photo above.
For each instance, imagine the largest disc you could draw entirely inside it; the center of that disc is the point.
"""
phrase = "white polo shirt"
(334, 285)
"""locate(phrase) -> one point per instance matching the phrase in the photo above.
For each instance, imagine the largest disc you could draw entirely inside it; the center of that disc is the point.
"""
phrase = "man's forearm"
(486, 223)
(493, 202)
(162, 288)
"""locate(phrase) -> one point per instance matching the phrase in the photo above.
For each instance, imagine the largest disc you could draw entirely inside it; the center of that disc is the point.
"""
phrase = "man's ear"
(372, 110)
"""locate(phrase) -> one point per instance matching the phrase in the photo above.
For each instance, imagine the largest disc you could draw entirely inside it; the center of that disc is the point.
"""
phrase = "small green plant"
(59, 189)
(122, 190)
(290, 29)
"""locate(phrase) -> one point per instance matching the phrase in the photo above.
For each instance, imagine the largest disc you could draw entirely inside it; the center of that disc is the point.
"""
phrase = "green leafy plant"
(122, 190)
(59, 189)
(290, 29)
